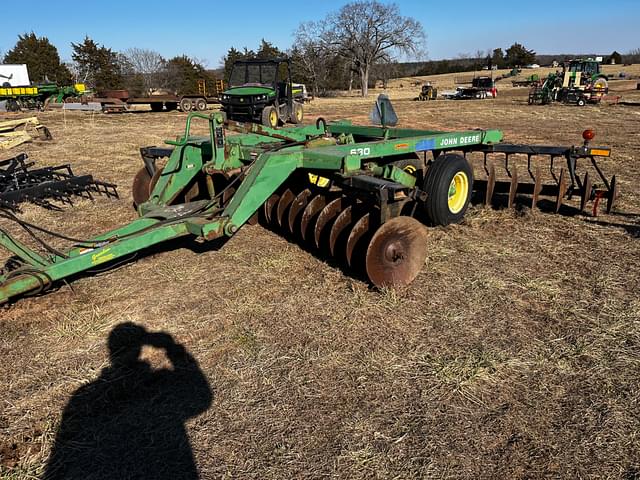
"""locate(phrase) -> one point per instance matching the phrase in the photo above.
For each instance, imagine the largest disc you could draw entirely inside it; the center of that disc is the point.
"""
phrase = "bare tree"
(311, 55)
(632, 56)
(149, 64)
(369, 32)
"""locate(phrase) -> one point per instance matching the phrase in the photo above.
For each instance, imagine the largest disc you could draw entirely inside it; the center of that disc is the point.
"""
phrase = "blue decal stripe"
(423, 145)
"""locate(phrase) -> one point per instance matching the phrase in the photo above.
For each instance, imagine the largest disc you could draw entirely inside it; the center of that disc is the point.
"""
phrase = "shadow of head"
(125, 343)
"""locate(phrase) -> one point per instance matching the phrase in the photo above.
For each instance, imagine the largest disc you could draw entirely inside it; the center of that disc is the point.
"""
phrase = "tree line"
(138, 70)
(362, 43)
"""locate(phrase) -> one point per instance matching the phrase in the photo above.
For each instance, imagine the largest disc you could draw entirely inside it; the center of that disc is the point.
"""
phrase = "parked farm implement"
(358, 194)
(19, 182)
(580, 82)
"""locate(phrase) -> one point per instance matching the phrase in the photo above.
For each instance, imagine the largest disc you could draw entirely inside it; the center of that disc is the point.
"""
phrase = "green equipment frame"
(211, 186)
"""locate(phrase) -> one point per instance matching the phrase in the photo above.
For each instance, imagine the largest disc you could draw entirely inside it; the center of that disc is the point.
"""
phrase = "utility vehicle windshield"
(253, 74)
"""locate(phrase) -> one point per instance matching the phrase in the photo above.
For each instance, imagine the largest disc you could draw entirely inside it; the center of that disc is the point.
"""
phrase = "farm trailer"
(121, 100)
(359, 194)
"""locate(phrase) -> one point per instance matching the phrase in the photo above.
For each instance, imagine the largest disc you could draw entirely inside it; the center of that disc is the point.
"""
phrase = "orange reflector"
(399, 146)
(588, 134)
(599, 152)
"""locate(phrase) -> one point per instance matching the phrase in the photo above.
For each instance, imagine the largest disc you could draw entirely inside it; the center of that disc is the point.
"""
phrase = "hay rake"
(359, 194)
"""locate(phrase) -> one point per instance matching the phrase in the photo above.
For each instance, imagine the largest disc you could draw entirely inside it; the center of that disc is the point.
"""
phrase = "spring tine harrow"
(563, 183)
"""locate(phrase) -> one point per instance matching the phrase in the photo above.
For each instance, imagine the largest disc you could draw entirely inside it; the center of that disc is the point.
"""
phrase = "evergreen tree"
(41, 57)
(518, 55)
(184, 74)
(98, 65)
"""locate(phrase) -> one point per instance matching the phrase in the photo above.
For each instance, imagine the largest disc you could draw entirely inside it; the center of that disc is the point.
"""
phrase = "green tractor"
(584, 73)
(261, 91)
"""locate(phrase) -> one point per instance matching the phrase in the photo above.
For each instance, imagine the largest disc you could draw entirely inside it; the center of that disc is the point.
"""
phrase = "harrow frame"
(211, 186)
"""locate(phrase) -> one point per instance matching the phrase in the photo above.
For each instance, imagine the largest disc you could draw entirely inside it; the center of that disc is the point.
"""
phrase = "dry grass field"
(515, 354)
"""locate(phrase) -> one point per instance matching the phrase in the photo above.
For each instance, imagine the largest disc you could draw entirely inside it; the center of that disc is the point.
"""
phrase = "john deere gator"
(261, 91)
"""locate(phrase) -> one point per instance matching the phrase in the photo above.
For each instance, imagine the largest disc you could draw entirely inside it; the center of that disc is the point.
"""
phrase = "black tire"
(298, 113)
(186, 105)
(200, 104)
(437, 185)
(412, 164)
(581, 102)
(156, 107)
(269, 114)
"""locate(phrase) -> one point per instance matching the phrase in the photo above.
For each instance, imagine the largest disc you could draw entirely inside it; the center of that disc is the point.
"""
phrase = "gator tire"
(270, 117)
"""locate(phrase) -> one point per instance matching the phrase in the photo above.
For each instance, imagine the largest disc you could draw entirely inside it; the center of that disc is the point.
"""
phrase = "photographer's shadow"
(130, 422)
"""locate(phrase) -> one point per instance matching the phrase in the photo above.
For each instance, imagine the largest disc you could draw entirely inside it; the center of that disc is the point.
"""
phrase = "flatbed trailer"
(119, 101)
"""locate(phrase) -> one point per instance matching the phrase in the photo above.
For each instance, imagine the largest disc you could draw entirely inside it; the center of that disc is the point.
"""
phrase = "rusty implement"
(569, 176)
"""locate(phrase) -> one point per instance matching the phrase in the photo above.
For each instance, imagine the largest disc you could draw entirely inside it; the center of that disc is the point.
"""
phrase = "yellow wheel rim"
(273, 118)
(411, 169)
(458, 192)
(319, 181)
(299, 114)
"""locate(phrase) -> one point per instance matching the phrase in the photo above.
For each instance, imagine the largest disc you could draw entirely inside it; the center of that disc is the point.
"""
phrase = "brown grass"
(515, 354)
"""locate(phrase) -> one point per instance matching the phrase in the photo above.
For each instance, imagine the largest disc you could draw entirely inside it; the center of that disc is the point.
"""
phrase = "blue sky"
(206, 29)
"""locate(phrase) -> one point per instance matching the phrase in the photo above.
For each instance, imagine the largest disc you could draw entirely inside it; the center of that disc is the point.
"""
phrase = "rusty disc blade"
(316, 204)
(154, 179)
(613, 194)
(298, 204)
(513, 188)
(360, 228)
(396, 252)
(562, 189)
(286, 199)
(328, 213)
(586, 192)
(253, 220)
(342, 222)
(269, 206)
(141, 187)
(227, 195)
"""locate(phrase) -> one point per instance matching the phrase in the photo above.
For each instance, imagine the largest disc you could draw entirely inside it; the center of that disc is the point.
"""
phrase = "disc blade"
(328, 213)
(316, 204)
(397, 252)
(298, 204)
(360, 228)
(286, 199)
(227, 195)
(140, 188)
(342, 222)
(269, 206)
